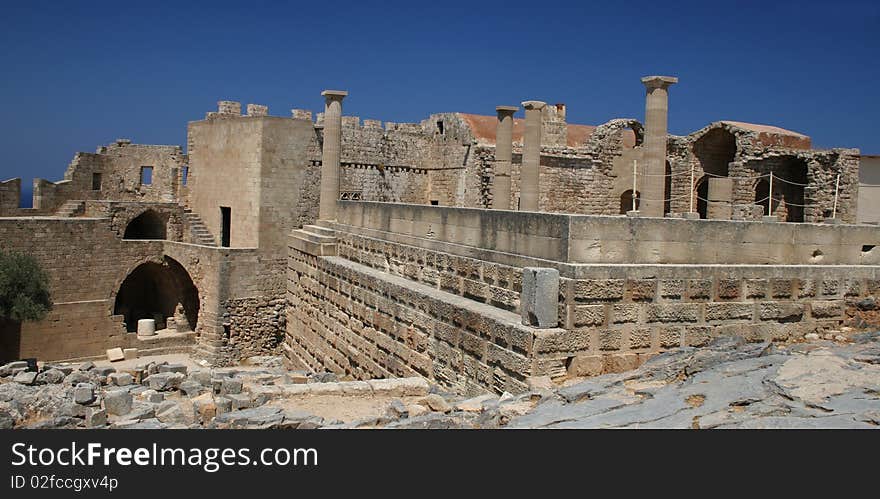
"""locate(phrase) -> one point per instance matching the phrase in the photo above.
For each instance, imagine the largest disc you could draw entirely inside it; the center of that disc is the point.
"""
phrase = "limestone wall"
(407, 278)
(86, 263)
(119, 166)
(10, 197)
(606, 239)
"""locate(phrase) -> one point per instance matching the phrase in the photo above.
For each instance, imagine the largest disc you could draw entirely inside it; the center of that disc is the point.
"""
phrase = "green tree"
(24, 288)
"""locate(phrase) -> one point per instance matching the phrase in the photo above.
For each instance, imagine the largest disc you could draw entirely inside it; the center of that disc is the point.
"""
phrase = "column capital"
(506, 110)
(331, 95)
(652, 82)
(533, 104)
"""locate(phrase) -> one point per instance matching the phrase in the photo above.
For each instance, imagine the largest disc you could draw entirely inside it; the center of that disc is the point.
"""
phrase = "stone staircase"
(71, 209)
(198, 230)
(318, 239)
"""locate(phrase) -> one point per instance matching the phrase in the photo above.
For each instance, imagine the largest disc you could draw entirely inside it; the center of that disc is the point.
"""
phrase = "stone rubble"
(728, 384)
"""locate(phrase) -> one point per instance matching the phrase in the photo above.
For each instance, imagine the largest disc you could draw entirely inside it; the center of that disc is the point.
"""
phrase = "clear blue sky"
(81, 74)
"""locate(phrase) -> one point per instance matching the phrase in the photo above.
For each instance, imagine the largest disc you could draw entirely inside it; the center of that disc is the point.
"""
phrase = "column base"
(770, 218)
(832, 221)
(691, 215)
(633, 213)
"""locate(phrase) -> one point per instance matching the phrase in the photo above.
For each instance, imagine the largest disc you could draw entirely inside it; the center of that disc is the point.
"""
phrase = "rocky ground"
(730, 384)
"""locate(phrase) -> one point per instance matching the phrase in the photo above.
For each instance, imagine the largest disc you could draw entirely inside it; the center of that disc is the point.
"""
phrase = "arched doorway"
(626, 201)
(154, 291)
(715, 150)
(147, 225)
(791, 178)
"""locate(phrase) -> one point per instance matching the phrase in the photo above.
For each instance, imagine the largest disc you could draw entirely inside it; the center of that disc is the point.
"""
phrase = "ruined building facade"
(394, 249)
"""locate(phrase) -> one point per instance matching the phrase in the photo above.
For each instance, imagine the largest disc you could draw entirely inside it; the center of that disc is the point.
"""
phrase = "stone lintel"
(533, 104)
(659, 81)
(334, 94)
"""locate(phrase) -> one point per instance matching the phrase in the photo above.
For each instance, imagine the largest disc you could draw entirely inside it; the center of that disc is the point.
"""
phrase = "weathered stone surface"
(25, 378)
(115, 355)
(95, 418)
(164, 381)
(118, 402)
(120, 379)
(84, 393)
(435, 403)
(172, 368)
(540, 297)
(50, 377)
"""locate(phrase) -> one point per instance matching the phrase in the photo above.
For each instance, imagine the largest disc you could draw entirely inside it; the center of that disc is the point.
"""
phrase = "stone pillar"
(652, 184)
(720, 199)
(531, 156)
(539, 300)
(330, 153)
(503, 155)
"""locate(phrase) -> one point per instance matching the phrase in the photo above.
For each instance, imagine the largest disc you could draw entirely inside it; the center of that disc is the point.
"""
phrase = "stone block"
(120, 379)
(400, 387)
(782, 311)
(830, 287)
(729, 289)
(230, 386)
(699, 289)
(539, 300)
(610, 339)
(115, 355)
(756, 288)
(642, 289)
(640, 338)
(826, 309)
(625, 312)
(118, 402)
(25, 377)
(84, 393)
(172, 368)
(671, 337)
(146, 327)
(95, 417)
(586, 365)
(672, 288)
(729, 311)
(781, 288)
(697, 336)
(130, 353)
(672, 312)
(589, 315)
(598, 289)
(621, 362)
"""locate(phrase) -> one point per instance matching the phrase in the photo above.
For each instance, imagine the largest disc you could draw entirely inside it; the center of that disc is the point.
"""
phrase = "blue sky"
(81, 74)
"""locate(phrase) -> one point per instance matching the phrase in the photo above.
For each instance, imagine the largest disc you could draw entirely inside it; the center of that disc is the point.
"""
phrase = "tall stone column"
(503, 157)
(531, 156)
(651, 185)
(330, 153)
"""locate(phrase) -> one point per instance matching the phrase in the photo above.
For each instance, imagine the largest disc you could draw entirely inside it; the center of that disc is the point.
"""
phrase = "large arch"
(148, 225)
(154, 290)
(715, 150)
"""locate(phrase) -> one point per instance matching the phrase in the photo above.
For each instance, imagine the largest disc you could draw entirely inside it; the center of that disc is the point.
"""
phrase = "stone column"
(531, 156)
(651, 185)
(503, 155)
(720, 199)
(330, 153)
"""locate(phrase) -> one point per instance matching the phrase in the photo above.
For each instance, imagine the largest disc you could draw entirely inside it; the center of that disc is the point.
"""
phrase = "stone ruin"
(480, 252)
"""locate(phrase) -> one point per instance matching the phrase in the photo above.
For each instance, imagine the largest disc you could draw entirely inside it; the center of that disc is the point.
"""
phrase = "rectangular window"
(96, 181)
(146, 175)
(435, 202)
(185, 174)
(226, 221)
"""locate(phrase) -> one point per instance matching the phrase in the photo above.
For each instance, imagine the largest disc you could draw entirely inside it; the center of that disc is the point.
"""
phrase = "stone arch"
(715, 150)
(626, 201)
(618, 127)
(148, 225)
(154, 290)
(701, 192)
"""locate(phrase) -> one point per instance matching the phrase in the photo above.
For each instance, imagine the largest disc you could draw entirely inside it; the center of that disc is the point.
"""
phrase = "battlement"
(257, 110)
(301, 114)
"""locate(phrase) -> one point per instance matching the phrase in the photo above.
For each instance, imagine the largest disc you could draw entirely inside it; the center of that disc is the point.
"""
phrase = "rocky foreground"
(729, 384)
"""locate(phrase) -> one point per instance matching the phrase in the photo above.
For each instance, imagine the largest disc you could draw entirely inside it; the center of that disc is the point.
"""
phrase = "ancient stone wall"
(407, 278)
(86, 263)
(114, 172)
(356, 321)
(10, 197)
